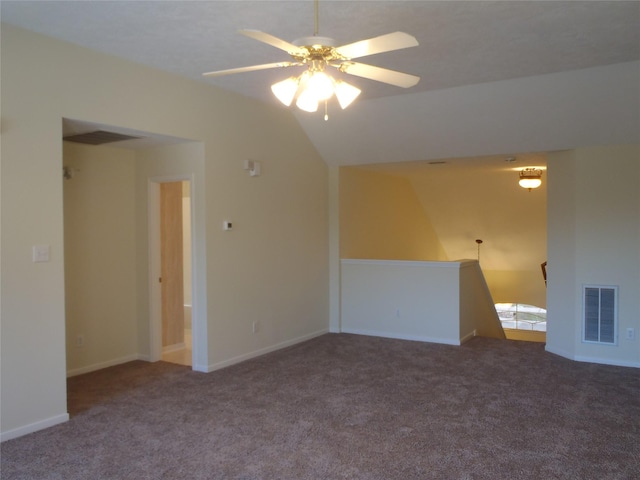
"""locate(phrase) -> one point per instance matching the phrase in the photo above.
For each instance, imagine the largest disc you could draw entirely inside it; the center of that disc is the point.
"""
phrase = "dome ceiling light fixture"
(315, 86)
(530, 177)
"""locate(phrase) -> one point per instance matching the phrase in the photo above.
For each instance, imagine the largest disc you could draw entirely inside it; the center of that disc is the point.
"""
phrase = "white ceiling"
(466, 49)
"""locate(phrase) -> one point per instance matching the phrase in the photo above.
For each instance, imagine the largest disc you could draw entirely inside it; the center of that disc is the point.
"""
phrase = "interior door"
(172, 287)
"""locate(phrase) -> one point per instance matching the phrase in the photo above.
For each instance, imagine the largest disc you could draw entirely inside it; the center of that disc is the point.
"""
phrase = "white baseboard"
(401, 336)
(258, 353)
(585, 359)
(607, 361)
(34, 427)
(108, 363)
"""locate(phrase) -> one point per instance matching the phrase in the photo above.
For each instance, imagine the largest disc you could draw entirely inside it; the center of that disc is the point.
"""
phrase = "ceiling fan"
(317, 53)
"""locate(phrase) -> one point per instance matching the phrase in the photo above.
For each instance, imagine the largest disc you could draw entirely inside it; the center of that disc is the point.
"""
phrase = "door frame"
(155, 269)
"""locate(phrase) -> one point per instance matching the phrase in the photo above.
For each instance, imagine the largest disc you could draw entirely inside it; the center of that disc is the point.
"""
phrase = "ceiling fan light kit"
(307, 101)
(286, 90)
(314, 85)
(346, 93)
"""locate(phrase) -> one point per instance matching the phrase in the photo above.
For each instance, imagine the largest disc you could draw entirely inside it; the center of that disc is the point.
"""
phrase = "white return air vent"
(600, 307)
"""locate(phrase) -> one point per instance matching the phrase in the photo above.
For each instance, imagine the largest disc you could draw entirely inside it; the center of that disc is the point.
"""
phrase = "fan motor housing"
(313, 41)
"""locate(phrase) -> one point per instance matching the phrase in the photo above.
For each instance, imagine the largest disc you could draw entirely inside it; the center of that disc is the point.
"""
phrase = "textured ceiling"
(461, 42)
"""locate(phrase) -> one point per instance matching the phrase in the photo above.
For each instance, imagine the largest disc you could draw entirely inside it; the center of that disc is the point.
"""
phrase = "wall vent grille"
(600, 324)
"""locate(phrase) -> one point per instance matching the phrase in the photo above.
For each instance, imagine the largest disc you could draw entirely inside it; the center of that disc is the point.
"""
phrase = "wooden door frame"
(155, 296)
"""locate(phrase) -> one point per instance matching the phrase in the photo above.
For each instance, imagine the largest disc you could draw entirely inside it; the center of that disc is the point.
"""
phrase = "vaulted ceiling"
(488, 70)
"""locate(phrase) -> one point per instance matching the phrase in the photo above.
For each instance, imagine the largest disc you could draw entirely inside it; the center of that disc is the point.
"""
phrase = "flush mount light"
(530, 177)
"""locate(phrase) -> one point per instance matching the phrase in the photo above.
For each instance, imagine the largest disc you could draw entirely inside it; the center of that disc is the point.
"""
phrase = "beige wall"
(100, 256)
(273, 268)
(594, 238)
(381, 218)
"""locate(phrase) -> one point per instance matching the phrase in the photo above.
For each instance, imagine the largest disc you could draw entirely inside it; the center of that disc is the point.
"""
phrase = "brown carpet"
(347, 407)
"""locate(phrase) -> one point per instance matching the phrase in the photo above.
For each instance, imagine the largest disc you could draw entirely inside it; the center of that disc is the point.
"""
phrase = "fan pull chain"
(326, 111)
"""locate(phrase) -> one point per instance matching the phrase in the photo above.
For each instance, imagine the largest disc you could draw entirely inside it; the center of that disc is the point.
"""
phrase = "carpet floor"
(347, 407)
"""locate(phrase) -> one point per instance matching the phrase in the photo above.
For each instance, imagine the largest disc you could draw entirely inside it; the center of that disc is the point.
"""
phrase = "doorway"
(112, 256)
(172, 302)
(175, 259)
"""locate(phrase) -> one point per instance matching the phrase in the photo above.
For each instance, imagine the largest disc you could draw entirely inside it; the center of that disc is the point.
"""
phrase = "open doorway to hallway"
(112, 265)
(175, 247)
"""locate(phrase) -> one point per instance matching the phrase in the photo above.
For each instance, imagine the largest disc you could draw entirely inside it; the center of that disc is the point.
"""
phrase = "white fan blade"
(290, 48)
(252, 68)
(378, 74)
(383, 43)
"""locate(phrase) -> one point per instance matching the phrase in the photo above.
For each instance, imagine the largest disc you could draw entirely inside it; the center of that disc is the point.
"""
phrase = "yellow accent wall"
(381, 218)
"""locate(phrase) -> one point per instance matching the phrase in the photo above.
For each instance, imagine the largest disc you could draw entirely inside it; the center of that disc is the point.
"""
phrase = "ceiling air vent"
(98, 137)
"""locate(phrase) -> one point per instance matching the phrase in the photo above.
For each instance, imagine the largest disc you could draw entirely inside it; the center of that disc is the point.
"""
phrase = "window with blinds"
(600, 314)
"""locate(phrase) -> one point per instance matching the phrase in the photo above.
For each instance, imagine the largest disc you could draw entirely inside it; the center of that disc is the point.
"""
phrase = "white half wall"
(424, 301)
